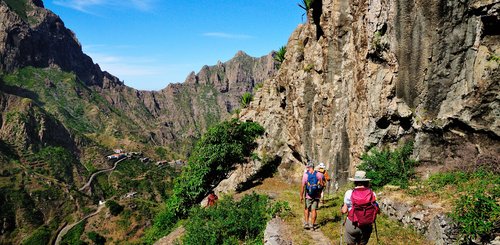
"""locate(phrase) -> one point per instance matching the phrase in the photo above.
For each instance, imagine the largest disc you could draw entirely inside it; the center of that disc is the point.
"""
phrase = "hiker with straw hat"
(361, 208)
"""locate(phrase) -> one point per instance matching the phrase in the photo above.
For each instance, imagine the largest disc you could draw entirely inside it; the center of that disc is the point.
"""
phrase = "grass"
(19, 7)
(329, 217)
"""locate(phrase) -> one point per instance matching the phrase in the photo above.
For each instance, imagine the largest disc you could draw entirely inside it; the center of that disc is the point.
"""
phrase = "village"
(120, 154)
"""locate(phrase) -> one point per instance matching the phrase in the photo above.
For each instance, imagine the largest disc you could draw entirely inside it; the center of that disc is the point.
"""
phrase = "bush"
(246, 99)
(60, 162)
(477, 211)
(389, 167)
(40, 236)
(114, 208)
(229, 222)
(214, 155)
(280, 56)
(73, 235)
(96, 238)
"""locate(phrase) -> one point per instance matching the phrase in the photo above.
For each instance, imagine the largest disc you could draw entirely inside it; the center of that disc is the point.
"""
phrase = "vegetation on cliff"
(394, 167)
(216, 154)
(232, 222)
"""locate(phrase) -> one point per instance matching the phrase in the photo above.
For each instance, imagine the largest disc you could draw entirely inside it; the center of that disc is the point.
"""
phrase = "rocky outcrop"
(181, 112)
(40, 39)
(363, 74)
(428, 219)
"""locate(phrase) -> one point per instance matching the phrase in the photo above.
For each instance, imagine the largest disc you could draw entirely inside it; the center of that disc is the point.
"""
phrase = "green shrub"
(246, 98)
(96, 238)
(161, 152)
(389, 167)
(114, 208)
(280, 209)
(477, 210)
(214, 155)
(60, 162)
(18, 6)
(280, 56)
(494, 57)
(73, 235)
(229, 222)
(40, 236)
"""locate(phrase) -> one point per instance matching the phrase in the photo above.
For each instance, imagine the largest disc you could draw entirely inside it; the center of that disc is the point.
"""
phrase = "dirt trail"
(319, 238)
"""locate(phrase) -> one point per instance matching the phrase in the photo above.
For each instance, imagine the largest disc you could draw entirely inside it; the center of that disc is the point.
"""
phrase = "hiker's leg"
(307, 208)
(314, 206)
(366, 232)
(352, 233)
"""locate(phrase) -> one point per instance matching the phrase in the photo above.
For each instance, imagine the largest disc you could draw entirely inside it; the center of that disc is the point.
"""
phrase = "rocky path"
(99, 172)
(319, 238)
(277, 233)
(68, 227)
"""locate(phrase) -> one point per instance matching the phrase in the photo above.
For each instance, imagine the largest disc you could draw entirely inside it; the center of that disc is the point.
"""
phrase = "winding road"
(68, 227)
(101, 206)
(98, 172)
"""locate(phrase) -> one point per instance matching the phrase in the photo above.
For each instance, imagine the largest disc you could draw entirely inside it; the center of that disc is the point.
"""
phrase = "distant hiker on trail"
(362, 208)
(326, 180)
(312, 183)
(212, 198)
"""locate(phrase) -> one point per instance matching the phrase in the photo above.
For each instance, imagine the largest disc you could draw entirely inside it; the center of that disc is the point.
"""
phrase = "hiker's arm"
(344, 208)
(302, 192)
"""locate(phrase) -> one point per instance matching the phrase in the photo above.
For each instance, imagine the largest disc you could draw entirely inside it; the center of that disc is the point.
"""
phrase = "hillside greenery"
(232, 222)
(19, 7)
(215, 154)
(395, 167)
(474, 197)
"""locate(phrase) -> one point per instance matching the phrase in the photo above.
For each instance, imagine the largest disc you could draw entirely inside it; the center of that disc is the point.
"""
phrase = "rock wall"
(360, 74)
(428, 219)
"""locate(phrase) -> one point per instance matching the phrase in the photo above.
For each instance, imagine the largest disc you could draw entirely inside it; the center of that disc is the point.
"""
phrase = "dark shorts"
(312, 204)
(355, 235)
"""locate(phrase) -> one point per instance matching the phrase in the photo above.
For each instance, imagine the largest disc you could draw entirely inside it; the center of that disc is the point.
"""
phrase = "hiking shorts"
(312, 204)
(357, 235)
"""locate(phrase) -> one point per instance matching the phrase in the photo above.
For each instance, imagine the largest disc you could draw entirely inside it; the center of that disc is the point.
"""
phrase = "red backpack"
(364, 209)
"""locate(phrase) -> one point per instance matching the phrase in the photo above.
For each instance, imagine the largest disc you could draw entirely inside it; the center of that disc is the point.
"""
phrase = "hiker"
(312, 183)
(326, 180)
(212, 198)
(361, 208)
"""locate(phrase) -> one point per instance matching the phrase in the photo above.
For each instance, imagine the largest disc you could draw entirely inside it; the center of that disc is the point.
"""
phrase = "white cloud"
(139, 72)
(226, 35)
(85, 5)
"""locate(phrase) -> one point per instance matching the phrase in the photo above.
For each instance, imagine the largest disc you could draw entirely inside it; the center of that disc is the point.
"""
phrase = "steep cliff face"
(181, 112)
(359, 74)
(31, 35)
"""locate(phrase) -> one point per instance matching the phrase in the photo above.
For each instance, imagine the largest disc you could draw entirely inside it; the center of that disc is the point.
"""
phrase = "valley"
(407, 91)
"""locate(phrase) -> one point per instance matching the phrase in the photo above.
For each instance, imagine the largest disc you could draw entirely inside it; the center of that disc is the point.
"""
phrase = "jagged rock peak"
(240, 53)
(35, 36)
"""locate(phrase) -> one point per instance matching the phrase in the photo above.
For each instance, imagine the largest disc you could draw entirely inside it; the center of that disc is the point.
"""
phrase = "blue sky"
(150, 43)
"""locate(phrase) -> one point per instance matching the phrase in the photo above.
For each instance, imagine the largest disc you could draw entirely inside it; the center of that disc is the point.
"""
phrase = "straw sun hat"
(359, 176)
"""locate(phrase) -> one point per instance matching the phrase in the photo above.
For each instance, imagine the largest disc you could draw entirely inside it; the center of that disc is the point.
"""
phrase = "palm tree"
(280, 56)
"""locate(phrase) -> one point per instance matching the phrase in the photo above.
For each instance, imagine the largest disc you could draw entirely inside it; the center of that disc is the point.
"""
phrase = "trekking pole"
(341, 229)
(376, 232)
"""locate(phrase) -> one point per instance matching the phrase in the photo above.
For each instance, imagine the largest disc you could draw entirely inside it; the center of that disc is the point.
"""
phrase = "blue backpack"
(313, 187)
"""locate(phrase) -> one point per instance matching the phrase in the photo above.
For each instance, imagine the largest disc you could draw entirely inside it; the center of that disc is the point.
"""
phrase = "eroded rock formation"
(360, 74)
